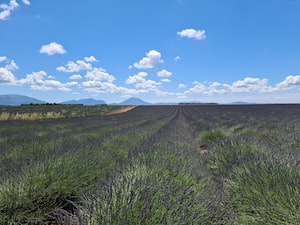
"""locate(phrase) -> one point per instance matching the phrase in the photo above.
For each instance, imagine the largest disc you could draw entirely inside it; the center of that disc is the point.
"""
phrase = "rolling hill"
(86, 101)
(15, 100)
(133, 101)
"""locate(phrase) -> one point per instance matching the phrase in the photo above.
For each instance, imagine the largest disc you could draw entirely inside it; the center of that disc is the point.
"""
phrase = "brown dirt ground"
(121, 110)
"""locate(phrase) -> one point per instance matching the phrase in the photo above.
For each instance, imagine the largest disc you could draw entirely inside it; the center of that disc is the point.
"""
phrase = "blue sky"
(160, 51)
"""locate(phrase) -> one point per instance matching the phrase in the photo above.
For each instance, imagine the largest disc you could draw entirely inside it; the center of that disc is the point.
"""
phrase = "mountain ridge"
(16, 100)
(133, 101)
(85, 101)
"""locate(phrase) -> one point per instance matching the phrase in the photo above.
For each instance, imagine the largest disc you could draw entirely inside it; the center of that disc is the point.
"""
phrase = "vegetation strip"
(207, 164)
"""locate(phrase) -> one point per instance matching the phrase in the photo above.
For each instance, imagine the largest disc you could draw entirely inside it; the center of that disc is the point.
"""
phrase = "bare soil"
(121, 110)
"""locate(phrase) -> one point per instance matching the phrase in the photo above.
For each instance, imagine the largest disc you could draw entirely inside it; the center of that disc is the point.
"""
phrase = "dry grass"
(29, 116)
(121, 110)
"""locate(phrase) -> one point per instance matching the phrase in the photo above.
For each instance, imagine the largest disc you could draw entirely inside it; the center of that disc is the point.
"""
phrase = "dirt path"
(121, 110)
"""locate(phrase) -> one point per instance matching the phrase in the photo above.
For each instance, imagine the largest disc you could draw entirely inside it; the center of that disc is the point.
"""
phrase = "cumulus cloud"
(198, 88)
(26, 2)
(289, 82)
(39, 81)
(141, 83)
(163, 93)
(181, 96)
(96, 86)
(6, 76)
(7, 9)
(99, 74)
(217, 88)
(76, 77)
(52, 49)
(137, 78)
(166, 80)
(164, 73)
(101, 82)
(250, 84)
(79, 65)
(12, 65)
(90, 59)
(152, 59)
(247, 85)
(6, 73)
(177, 58)
(181, 86)
(3, 58)
(192, 33)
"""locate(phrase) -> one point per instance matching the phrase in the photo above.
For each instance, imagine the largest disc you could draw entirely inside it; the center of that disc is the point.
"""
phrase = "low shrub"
(264, 192)
(210, 136)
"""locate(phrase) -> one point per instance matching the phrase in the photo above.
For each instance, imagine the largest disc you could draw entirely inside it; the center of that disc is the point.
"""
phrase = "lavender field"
(181, 164)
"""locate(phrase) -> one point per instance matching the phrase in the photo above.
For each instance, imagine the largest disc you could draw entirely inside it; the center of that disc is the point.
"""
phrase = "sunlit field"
(181, 164)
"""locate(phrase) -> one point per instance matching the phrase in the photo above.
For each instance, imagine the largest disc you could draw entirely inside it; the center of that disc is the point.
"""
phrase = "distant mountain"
(16, 100)
(241, 103)
(133, 101)
(86, 101)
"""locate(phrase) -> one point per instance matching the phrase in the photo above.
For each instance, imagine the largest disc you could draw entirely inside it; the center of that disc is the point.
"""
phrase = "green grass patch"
(266, 192)
(211, 136)
(224, 157)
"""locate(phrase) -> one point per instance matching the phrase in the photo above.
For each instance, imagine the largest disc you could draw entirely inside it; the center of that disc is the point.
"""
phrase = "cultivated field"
(185, 164)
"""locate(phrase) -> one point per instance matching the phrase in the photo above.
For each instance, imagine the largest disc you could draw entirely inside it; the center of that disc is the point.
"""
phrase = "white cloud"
(217, 88)
(12, 65)
(4, 14)
(164, 73)
(250, 84)
(151, 61)
(140, 82)
(72, 83)
(7, 9)
(26, 2)
(198, 88)
(39, 81)
(247, 85)
(177, 58)
(181, 96)
(164, 93)
(96, 86)
(137, 78)
(99, 81)
(77, 66)
(34, 77)
(76, 77)
(90, 59)
(165, 80)
(3, 58)
(6, 76)
(52, 48)
(289, 82)
(191, 33)
(99, 74)
(181, 86)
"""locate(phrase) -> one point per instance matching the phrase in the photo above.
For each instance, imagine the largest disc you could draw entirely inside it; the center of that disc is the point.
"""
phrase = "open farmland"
(185, 164)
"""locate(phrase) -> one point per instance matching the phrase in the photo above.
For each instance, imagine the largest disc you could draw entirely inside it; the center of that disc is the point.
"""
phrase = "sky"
(158, 50)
